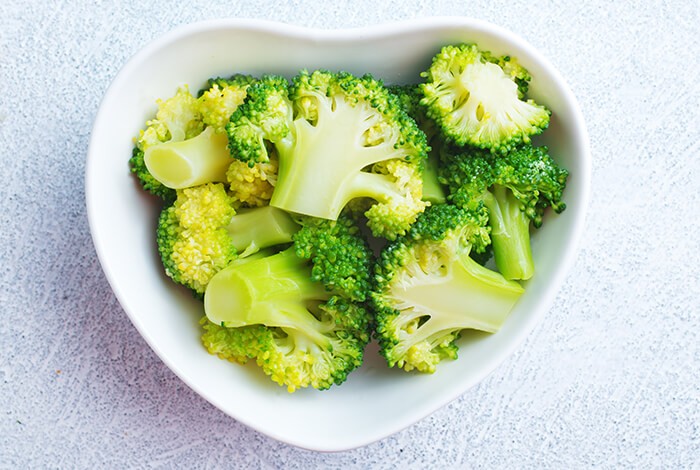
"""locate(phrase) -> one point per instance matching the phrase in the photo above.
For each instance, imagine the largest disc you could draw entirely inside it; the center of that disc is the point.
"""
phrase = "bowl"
(375, 401)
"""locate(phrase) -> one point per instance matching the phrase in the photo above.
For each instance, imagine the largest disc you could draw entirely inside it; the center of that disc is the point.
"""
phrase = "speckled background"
(609, 379)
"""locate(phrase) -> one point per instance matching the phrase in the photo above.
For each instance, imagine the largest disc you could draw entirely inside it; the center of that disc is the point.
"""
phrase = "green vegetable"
(478, 102)
(429, 289)
(271, 188)
(299, 312)
(201, 233)
(338, 138)
(516, 187)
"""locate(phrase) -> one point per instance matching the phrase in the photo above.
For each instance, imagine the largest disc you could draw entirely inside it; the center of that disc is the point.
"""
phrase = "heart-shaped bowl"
(375, 401)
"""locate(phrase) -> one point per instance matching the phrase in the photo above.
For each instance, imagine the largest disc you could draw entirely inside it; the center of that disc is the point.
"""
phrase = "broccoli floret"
(252, 185)
(338, 137)
(299, 312)
(429, 289)
(409, 96)
(220, 98)
(201, 233)
(513, 69)
(167, 159)
(177, 119)
(476, 101)
(516, 188)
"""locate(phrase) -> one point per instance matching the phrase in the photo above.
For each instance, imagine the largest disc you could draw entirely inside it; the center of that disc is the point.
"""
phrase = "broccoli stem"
(260, 227)
(510, 234)
(432, 188)
(274, 291)
(183, 164)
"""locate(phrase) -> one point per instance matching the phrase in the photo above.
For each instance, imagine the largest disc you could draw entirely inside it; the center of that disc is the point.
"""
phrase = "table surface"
(610, 378)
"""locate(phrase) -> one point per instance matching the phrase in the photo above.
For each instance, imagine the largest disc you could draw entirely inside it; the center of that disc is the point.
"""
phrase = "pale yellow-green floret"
(392, 216)
(252, 185)
(218, 103)
(178, 118)
(203, 247)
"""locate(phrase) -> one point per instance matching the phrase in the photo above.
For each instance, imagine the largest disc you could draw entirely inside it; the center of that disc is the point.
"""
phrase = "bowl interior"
(375, 401)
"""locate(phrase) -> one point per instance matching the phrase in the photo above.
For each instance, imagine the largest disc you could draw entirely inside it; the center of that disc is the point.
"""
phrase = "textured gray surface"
(610, 379)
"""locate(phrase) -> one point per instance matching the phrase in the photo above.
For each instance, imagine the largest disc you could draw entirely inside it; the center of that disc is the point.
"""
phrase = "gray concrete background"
(609, 379)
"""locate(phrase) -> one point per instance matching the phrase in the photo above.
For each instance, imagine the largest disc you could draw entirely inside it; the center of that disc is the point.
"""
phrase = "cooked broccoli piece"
(476, 101)
(338, 137)
(177, 119)
(409, 97)
(187, 163)
(201, 233)
(429, 289)
(516, 188)
(220, 98)
(513, 69)
(252, 185)
(196, 151)
(299, 312)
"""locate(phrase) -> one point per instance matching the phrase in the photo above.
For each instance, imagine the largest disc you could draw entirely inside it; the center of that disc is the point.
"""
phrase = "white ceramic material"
(375, 401)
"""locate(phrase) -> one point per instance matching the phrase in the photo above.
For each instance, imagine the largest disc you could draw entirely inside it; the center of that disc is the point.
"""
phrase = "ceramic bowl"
(375, 401)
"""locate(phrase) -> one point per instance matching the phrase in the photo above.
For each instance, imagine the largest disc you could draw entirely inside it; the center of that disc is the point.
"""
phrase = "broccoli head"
(201, 233)
(177, 119)
(429, 289)
(180, 153)
(516, 187)
(299, 312)
(337, 138)
(475, 98)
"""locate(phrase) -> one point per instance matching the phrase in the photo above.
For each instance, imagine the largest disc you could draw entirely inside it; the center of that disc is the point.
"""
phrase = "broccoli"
(186, 145)
(299, 312)
(474, 97)
(516, 188)
(337, 137)
(409, 96)
(220, 98)
(201, 233)
(177, 119)
(428, 288)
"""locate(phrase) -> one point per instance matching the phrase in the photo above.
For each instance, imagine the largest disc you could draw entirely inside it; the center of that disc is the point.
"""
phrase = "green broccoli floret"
(337, 137)
(299, 312)
(201, 233)
(513, 69)
(166, 160)
(429, 289)
(474, 98)
(409, 96)
(516, 187)
(177, 119)
(220, 98)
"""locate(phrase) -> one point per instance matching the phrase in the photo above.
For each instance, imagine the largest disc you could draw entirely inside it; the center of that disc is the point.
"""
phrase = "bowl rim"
(341, 35)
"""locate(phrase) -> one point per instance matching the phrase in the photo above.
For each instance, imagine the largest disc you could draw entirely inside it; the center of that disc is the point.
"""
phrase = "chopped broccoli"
(174, 153)
(201, 233)
(409, 97)
(177, 119)
(516, 188)
(252, 185)
(429, 289)
(220, 98)
(186, 163)
(474, 98)
(337, 137)
(299, 312)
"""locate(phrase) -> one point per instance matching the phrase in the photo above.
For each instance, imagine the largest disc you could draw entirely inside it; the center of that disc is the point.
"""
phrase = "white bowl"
(375, 401)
